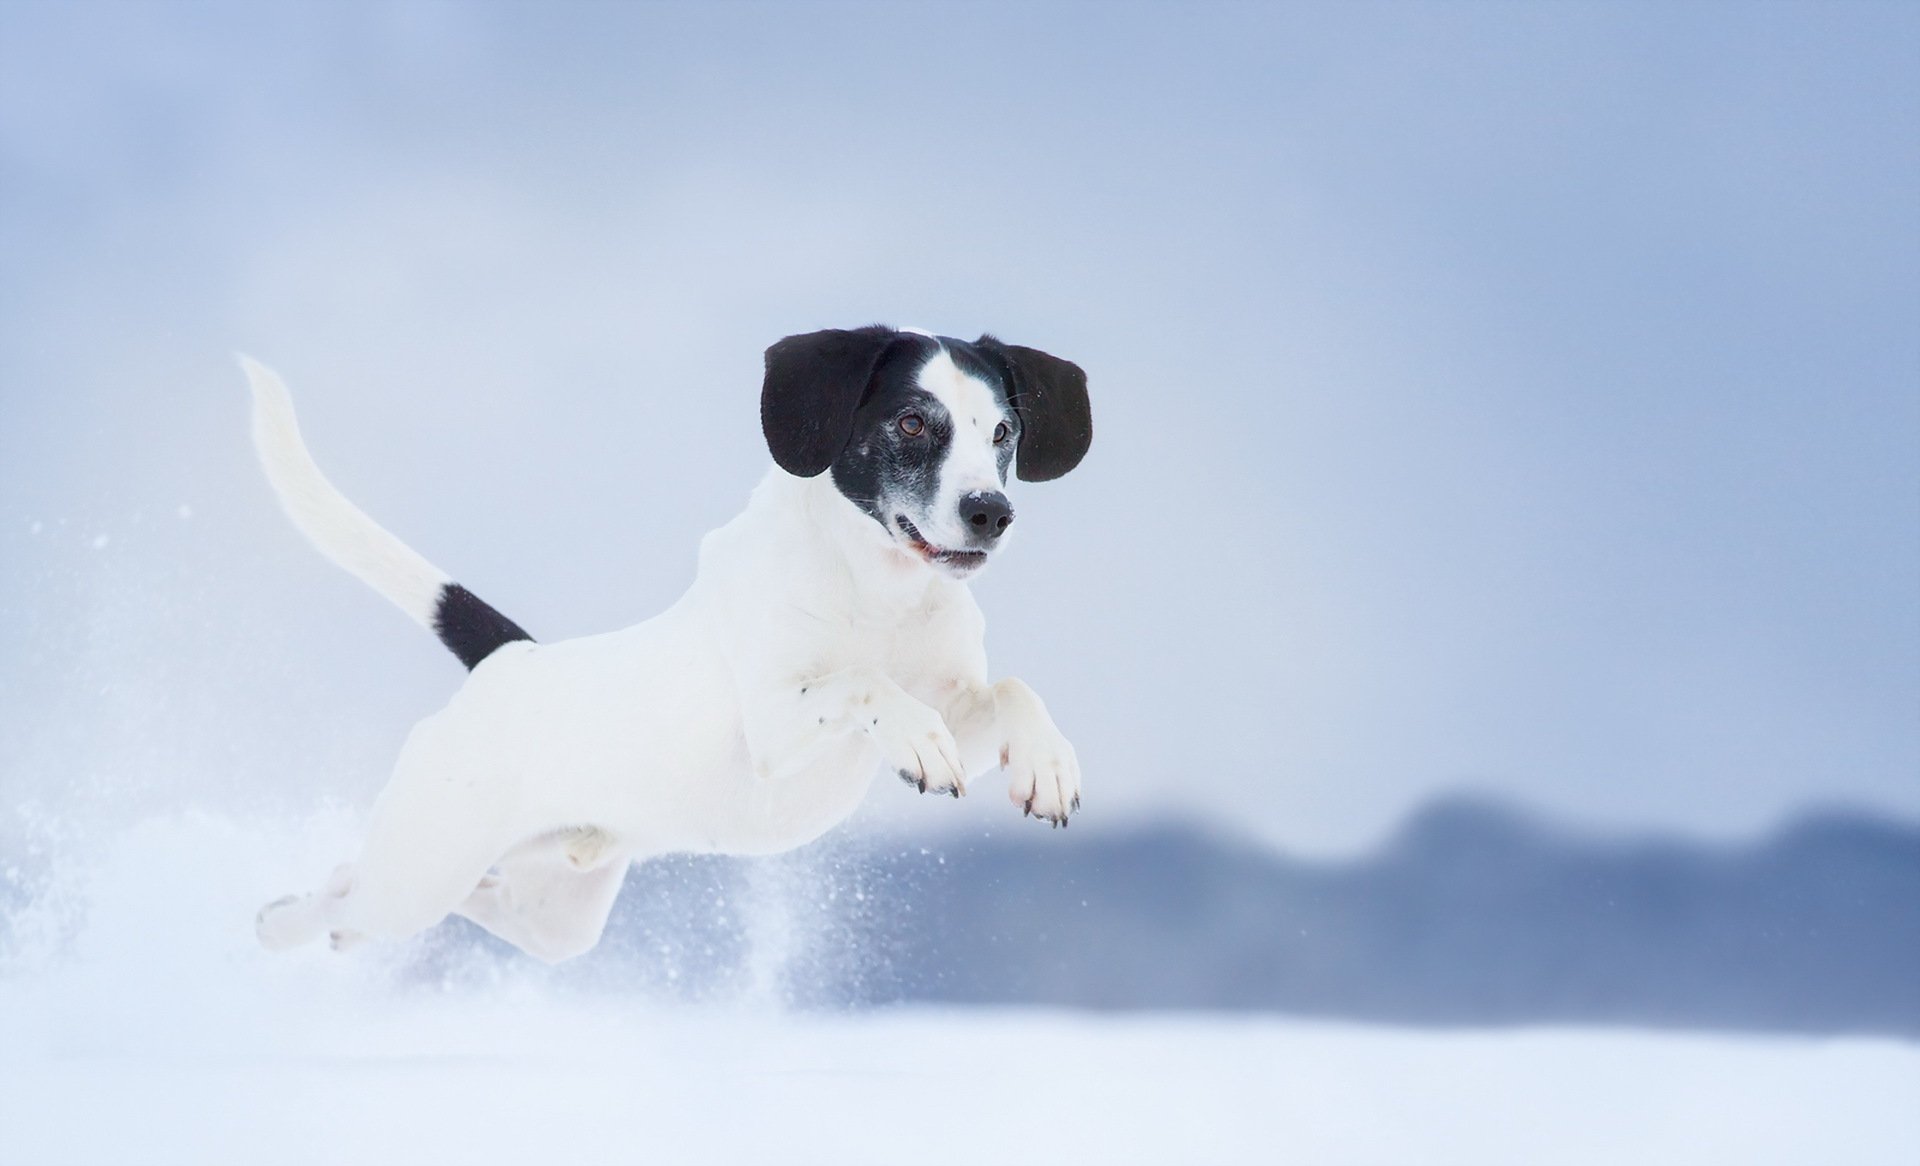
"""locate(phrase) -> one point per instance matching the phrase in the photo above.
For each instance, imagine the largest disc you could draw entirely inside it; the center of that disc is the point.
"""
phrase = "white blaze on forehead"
(968, 400)
(970, 458)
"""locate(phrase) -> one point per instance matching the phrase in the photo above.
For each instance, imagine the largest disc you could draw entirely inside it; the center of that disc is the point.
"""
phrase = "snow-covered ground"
(519, 1078)
(138, 1023)
(485, 1080)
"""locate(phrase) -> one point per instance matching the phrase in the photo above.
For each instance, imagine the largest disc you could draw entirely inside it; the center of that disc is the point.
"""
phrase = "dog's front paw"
(1045, 772)
(918, 746)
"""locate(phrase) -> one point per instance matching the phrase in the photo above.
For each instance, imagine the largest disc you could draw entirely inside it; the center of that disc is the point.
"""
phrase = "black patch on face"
(470, 627)
(882, 466)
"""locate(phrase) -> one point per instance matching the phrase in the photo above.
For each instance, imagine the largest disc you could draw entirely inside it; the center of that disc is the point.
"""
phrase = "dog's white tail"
(345, 534)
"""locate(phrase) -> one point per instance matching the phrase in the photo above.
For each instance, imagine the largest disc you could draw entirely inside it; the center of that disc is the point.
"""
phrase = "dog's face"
(920, 431)
(929, 453)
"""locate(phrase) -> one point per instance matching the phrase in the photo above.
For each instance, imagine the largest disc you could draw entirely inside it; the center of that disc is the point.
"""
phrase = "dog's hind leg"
(436, 828)
(386, 894)
(551, 898)
(298, 919)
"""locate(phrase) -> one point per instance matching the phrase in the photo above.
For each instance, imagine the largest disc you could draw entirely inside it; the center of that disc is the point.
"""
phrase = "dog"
(828, 632)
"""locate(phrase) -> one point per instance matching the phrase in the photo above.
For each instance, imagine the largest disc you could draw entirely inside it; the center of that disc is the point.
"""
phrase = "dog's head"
(919, 431)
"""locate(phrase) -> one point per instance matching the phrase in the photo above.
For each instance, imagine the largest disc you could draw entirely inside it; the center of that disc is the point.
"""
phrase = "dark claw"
(1076, 801)
(923, 785)
(955, 791)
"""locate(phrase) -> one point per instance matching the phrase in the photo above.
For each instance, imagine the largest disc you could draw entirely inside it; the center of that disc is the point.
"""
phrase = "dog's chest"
(919, 648)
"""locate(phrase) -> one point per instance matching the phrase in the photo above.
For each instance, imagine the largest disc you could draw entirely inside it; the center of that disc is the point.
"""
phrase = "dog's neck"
(840, 537)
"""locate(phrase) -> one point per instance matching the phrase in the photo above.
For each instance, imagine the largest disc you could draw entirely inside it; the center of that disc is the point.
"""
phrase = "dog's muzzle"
(961, 562)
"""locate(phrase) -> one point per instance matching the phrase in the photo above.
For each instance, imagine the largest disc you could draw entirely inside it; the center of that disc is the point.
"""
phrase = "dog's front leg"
(1007, 722)
(913, 739)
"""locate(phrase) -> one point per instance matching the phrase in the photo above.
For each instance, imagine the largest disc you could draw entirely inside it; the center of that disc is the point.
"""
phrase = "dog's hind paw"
(286, 922)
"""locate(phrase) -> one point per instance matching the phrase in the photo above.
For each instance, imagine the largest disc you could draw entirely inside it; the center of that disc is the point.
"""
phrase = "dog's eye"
(1001, 432)
(912, 425)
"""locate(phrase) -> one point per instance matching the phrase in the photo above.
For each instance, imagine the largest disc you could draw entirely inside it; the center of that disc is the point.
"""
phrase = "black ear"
(813, 385)
(1050, 395)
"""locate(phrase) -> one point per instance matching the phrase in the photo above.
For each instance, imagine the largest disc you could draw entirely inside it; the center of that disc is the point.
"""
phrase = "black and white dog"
(828, 630)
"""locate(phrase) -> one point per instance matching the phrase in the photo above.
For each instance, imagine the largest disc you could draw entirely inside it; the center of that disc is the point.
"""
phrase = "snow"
(505, 1076)
(139, 1023)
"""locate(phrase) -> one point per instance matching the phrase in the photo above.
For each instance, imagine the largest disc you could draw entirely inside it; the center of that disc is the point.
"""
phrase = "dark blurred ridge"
(1473, 914)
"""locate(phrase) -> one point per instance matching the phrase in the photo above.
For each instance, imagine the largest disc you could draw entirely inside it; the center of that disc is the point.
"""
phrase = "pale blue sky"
(1515, 397)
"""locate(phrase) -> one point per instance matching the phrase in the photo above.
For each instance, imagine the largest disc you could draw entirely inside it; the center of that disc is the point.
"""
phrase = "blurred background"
(1493, 595)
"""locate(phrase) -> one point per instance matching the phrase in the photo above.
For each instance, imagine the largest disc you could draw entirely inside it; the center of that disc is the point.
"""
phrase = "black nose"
(986, 515)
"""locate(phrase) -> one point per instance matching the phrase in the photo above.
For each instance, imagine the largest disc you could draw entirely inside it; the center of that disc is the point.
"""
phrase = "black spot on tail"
(469, 628)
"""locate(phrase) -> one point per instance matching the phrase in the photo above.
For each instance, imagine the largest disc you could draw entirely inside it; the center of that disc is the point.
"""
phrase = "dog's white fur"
(748, 718)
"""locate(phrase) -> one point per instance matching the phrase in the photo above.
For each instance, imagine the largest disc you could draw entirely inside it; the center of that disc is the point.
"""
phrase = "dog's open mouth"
(961, 561)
